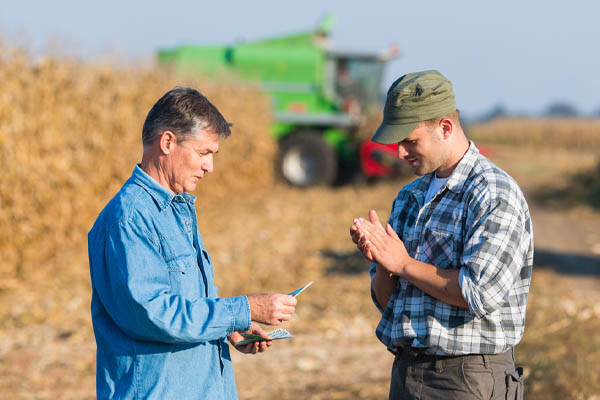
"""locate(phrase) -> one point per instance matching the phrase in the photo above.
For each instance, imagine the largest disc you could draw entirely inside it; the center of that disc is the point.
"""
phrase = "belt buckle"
(413, 352)
(408, 352)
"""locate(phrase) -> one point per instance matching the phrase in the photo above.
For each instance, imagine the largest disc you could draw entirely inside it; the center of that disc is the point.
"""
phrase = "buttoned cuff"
(239, 307)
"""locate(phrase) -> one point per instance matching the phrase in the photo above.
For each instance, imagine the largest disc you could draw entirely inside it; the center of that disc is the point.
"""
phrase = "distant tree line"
(557, 109)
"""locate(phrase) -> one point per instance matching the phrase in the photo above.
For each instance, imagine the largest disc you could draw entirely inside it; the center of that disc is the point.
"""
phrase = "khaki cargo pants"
(420, 376)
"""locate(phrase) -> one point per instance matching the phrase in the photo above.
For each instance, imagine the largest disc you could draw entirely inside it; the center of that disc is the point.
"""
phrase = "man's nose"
(208, 165)
(401, 151)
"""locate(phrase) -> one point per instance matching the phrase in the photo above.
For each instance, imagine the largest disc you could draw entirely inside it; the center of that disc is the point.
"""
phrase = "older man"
(161, 330)
(452, 268)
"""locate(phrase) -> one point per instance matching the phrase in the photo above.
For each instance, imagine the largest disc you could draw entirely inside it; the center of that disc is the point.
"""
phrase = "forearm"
(383, 285)
(171, 318)
(436, 282)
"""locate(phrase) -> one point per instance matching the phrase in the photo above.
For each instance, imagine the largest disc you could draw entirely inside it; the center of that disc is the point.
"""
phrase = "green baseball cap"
(412, 99)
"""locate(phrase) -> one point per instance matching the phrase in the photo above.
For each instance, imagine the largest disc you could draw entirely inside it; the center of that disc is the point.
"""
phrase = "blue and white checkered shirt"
(478, 222)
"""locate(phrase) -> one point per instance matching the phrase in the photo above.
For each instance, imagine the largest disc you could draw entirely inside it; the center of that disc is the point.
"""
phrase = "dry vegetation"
(70, 136)
(565, 133)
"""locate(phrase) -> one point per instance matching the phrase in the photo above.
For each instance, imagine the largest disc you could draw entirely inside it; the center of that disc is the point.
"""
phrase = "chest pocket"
(184, 276)
(208, 271)
(438, 247)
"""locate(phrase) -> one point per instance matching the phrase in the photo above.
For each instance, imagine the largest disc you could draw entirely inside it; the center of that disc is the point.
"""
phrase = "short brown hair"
(183, 110)
(454, 116)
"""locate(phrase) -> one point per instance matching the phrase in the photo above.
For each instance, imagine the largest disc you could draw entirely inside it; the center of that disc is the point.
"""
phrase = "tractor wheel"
(306, 159)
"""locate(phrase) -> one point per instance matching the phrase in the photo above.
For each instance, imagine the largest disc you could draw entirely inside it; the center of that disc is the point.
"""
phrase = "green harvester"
(319, 97)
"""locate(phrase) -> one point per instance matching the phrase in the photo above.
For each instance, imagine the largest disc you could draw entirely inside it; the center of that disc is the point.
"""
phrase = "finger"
(367, 248)
(362, 241)
(263, 346)
(362, 248)
(259, 331)
(390, 231)
(289, 309)
(283, 317)
(356, 237)
(372, 251)
(247, 348)
(375, 233)
(290, 300)
(374, 218)
(367, 227)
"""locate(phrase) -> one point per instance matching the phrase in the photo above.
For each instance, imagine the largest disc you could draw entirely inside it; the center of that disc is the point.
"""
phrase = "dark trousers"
(420, 376)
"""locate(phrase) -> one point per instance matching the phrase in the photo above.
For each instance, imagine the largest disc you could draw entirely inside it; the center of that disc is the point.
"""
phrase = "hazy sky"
(522, 54)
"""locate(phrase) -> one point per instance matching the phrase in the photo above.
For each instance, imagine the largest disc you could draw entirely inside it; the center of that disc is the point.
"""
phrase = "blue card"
(298, 291)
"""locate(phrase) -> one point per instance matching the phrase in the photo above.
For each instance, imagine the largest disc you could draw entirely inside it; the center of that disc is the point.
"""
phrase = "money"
(280, 334)
(302, 289)
(275, 335)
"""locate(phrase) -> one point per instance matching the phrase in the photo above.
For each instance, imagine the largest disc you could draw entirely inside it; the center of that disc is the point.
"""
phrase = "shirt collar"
(161, 195)
(461, 172)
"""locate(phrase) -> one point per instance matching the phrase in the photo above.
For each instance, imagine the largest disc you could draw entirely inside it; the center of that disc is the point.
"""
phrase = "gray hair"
(183, 111)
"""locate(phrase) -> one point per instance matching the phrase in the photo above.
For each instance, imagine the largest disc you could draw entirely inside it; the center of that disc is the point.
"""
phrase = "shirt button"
(187, 222)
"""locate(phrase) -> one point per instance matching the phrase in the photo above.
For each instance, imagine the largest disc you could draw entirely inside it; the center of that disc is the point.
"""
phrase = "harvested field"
(563, 133)
(70, 136)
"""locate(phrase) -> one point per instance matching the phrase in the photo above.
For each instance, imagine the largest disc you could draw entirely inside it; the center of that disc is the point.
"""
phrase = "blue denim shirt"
(160, 327)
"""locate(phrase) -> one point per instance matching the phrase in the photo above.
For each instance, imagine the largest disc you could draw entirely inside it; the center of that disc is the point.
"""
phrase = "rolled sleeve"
(372, 271)
(492, 257)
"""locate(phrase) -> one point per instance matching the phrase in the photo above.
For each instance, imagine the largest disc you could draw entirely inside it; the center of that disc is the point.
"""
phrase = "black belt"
(416, 353)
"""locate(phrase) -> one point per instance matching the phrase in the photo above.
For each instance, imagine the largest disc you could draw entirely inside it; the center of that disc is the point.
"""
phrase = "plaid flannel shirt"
(478, 222)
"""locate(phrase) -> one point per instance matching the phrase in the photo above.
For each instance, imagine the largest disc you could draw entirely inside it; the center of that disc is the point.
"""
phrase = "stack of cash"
(275, 335)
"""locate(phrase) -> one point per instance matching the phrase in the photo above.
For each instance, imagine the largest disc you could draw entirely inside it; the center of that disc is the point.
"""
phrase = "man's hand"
(358, 237)
(251, 348)
(381, 245)
(271, 308)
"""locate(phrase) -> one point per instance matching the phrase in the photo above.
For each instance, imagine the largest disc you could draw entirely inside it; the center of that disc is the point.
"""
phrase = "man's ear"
(167, 142)
(447, 127)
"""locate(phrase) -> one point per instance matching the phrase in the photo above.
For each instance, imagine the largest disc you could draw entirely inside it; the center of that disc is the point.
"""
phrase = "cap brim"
(391, 133)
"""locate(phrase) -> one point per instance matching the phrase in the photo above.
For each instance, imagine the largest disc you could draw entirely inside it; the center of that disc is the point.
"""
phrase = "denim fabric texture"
(161, 329)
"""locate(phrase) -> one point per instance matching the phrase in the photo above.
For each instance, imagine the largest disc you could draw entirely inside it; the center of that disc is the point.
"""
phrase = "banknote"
(275, 335)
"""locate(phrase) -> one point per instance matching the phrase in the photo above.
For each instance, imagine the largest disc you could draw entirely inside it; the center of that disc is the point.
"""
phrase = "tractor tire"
(306, 159)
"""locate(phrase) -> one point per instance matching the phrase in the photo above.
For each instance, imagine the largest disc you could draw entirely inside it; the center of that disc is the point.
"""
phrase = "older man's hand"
(251, 348)
(271, 308)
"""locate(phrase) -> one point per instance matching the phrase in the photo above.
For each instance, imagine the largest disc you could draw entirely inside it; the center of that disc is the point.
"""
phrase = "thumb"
(390, 231)
(259, 331)
(374, 218)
